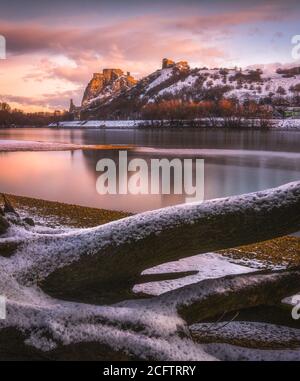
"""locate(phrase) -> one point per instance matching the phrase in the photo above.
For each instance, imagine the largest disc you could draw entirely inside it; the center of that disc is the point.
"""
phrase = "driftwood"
(143, 329)
(247, 333)
(213, 296)
(113, 256)
(103, 263)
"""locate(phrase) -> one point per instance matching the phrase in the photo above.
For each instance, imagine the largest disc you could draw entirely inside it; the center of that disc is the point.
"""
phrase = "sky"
(53, 47)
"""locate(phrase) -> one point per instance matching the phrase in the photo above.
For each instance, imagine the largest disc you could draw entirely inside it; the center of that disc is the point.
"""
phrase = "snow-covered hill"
(177, 81)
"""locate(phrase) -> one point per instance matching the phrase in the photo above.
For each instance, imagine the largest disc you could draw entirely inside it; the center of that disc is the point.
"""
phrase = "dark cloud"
(137, 43)
(34, 9)
(134, 37)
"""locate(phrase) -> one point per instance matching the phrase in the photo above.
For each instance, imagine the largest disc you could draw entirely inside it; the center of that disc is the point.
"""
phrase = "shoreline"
(204, 123)
(55, 213)
(11, 145)
(211, 122)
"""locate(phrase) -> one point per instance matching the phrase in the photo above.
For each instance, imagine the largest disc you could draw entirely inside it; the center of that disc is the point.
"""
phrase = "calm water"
(236, 162)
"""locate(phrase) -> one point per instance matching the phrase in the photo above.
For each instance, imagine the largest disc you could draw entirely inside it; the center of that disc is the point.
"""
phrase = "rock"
(8, 208)
(107, 83)
(167, 63)
(182, 65)
(4, 225)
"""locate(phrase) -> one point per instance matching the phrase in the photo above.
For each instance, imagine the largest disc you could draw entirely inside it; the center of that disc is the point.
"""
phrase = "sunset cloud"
(45, 101)
(45, 53)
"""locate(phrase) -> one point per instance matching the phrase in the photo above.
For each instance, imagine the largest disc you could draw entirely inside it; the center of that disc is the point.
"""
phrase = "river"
(235, 162)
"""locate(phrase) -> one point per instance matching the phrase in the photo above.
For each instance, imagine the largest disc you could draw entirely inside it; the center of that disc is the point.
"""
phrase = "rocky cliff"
(115, 95)
(108, 83)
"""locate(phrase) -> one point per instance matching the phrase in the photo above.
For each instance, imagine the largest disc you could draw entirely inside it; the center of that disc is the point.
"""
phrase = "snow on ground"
(269, 84)
(290, 124)
(176, 87)
(210, 265)
(164, 74)
(286, 124)
(99, 124)
(106, 92)
(43, 222)
(216, 152)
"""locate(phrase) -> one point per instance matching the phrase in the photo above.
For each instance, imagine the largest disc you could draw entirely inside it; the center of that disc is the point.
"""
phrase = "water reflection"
(165, 137)
(71, 176)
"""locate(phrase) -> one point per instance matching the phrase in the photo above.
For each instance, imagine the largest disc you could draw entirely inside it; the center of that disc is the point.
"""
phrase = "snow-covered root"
(85, 262)
(140, 331)
(211, 297)
(112, 256)
(227, 352)
(146, 329)
(247, 334)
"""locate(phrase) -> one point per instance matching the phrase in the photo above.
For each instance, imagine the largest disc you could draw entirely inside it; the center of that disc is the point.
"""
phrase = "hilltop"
(113, 94)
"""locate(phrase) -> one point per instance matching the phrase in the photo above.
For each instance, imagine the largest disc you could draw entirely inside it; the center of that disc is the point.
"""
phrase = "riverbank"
(27, 146)
(213, 122)
(55, 214)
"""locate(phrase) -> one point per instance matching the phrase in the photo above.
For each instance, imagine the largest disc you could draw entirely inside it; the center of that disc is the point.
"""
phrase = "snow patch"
(164, 74)
(208, 266)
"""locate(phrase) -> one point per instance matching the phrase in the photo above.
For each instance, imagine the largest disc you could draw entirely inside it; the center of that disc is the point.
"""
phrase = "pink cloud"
(134, 44)
(48, 101)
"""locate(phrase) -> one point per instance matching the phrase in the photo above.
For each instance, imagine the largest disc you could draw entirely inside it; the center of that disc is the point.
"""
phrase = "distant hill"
(113, 94)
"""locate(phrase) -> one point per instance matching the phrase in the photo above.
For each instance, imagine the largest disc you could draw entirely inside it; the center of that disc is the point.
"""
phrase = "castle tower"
(166, 63)
(72, 106)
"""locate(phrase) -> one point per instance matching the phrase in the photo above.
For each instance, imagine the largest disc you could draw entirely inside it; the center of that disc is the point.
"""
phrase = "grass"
(64, 214)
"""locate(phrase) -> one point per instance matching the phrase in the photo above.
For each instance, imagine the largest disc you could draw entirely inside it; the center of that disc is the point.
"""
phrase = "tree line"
(178, 110)
(13, 117)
